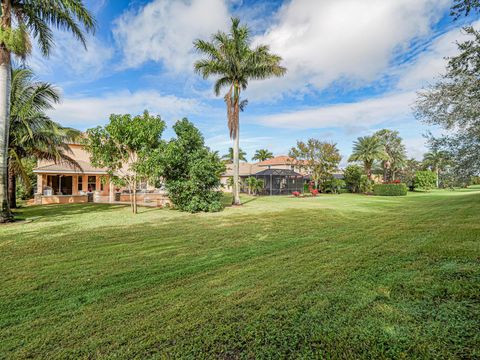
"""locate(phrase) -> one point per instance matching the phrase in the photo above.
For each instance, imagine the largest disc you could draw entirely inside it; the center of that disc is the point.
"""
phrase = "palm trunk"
(5, 83)
(236, 168)
(12, 188)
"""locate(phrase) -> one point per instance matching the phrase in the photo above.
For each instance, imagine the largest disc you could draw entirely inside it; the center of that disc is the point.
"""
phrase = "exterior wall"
(60, 199)
(77, 153)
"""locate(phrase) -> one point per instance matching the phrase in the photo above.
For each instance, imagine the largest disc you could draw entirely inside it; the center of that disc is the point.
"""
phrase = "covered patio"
(280, 181)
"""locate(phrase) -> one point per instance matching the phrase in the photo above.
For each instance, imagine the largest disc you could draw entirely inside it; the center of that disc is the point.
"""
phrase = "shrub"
(333, 185)
(392, 189)
(314, 192)
(296, 193)
(425, 180)
(352, 176)
(366, 185)
(191, 171)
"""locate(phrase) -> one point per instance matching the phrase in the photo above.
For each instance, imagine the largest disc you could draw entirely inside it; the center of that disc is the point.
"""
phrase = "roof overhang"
(60, 172)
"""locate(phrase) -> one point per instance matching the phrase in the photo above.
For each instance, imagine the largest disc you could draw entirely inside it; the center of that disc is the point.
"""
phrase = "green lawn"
(344, 276)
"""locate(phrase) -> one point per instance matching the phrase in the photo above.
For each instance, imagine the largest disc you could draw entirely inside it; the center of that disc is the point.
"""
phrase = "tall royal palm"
(368, 149)
(231, 60)
(32, 134)
(262, 155)
(19, 21)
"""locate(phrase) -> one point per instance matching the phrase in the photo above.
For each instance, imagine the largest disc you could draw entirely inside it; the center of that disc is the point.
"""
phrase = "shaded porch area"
(280, 181)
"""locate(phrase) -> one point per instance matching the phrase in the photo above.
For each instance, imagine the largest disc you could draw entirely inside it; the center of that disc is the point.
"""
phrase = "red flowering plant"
(392, 182)
(296, 193)
(314, 192)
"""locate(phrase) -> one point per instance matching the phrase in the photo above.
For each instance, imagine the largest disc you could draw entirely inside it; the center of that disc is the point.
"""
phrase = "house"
(279, 174)
(62, 183)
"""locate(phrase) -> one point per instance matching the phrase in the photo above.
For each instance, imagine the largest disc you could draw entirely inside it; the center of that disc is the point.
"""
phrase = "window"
(92, 183)
(102, 180)
(80, 183)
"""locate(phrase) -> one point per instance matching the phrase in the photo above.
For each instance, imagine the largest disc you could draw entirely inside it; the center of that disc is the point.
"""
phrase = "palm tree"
(32, 133)
(229, 157)
(436, 160)
(368, 149)
(262, 155)
(19, 21)
(234, 63)
(395, 151)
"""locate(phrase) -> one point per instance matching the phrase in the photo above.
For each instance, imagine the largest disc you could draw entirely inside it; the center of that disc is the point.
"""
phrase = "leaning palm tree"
(19, 21)
(437, 161)
(262, 155)
(368, 149)
(229, 157)
(32, 134)
(234, 63)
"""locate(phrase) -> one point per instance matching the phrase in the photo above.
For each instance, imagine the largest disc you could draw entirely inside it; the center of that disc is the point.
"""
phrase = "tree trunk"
(135, 196)
(12, 189)
(236, 161)
(5, 84)
(437, 180)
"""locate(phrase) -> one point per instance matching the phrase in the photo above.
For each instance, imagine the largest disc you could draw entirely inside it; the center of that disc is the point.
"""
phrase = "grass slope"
(345, 276)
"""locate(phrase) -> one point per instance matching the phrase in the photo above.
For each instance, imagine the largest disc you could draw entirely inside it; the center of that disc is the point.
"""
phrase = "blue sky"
(353, 67)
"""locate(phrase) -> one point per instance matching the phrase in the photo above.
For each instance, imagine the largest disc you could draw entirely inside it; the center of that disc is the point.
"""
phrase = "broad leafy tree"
(368, 149)
(20, 21)
(262, 155)
(395, 152)
(454, 104)
(231, 60)
(32, 134)
(464, 8)
(123, 147)
(242, 155)
(320, 159)
(190, 170)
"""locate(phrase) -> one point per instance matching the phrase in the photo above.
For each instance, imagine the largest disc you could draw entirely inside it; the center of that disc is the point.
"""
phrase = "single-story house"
(279, 174)
(61, 183)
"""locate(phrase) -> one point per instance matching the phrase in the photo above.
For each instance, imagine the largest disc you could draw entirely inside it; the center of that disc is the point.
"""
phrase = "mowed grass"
(344, 276)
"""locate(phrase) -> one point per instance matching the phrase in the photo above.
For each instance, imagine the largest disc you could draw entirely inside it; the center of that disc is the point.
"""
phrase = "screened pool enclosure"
(280, 181)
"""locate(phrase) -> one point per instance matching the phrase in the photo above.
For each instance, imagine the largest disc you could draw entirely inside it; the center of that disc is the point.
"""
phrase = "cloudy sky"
(353, 67)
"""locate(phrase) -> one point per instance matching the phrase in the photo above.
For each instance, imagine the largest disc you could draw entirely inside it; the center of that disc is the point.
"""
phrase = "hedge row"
(390, 189)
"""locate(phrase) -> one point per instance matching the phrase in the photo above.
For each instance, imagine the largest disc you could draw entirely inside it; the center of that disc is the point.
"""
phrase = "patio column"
(75, 184)
(111, 192)
(85, 183)
(40, 183)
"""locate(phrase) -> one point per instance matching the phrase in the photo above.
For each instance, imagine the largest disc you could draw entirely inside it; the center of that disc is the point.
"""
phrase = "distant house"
(279, 174)
(64, 183)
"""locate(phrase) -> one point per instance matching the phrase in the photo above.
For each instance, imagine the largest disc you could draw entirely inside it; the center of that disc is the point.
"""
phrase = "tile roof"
(60, 168)
(277, 160)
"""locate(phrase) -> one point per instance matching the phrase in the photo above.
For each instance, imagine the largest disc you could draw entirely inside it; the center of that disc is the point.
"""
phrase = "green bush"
(425, 180)
(390, 189)
(352, 176)
(190, 170)
(366, 185)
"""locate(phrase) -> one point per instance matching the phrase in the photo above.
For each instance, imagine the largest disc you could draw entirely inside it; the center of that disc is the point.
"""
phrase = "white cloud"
(323, 41)
(431, 63)
(164, 31)
(88, 111)
(357, 115)
(68, 55)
